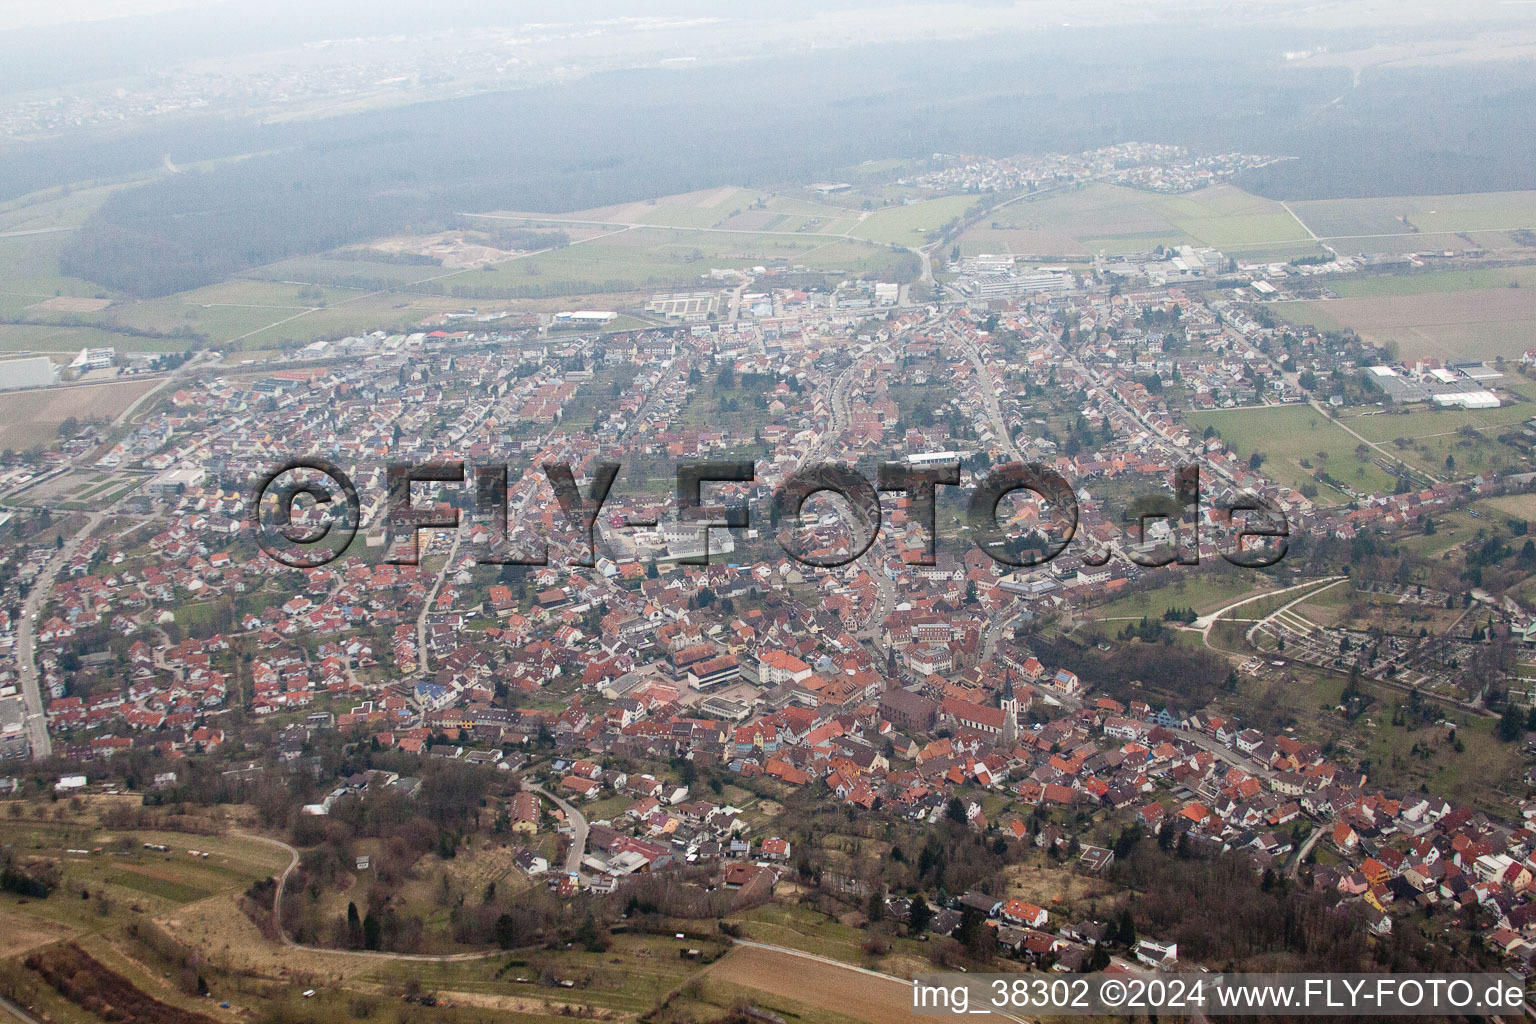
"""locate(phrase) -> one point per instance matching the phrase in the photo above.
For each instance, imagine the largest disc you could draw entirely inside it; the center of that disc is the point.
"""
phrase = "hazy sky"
(34, 14)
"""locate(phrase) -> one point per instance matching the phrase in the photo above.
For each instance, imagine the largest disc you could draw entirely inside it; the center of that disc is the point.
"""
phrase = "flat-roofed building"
(31, 372)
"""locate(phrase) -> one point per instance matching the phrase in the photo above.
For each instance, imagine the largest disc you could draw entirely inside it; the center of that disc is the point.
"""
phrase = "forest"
(629, 135)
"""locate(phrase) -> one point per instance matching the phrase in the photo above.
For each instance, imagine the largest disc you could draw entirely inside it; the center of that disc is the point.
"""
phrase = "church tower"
(1009, 702)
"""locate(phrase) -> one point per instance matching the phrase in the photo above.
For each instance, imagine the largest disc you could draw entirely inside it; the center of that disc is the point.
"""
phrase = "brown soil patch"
(877, 1000)
(20, 932)
(31, 417)
(1479, 322)
(448, 246)
(1058, 890)
(72, 304)
(519, 1004)
(231, 940)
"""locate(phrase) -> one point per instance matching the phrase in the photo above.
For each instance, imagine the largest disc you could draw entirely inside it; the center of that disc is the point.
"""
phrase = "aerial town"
(715, 606)
(657, 710)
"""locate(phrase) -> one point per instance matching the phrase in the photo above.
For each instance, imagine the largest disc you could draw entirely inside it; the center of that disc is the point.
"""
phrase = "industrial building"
(31, 372)
(14, 743)
(94, 359)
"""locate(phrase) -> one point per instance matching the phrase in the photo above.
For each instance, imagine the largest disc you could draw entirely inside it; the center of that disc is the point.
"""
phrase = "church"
(1001, 723)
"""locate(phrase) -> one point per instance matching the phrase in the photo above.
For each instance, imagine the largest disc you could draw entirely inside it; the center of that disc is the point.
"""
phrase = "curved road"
(578, 828)
(1288, 606)
(1301, 853)
(277, 919)
(1205, 622)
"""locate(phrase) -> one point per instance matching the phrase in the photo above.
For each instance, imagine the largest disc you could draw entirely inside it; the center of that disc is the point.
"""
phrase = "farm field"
(1286, 435)
(33, 417)
(259, 324)
(1476, 323)
(1480, 211)
(29, 270)
(52, 208)
(1118, 219)
(64, 340)
(1434, 282)
(299, 300)
(863, 996)
(906, 225)
(1009, 236)
(323, 270)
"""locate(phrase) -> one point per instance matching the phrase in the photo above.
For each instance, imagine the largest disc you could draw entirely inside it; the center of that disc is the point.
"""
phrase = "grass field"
(122, 879)
(1016, 237)
(1201, 587)
(1521, 506)
(1286, 435)
(1477, 776)
(1434, 282)
(299, 300)
(802, 928)
(1424, 437)
(906, 225)
(1308, 697)
(29, 270)
(1484, 211)
(1118, 219)
(728, 207)
(69, 340)
(751, 209)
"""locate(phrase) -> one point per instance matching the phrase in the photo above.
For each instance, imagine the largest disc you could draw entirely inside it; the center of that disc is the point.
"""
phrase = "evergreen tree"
(354, 928)
(1125, 930)
(920, 916)
(1511, 723)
